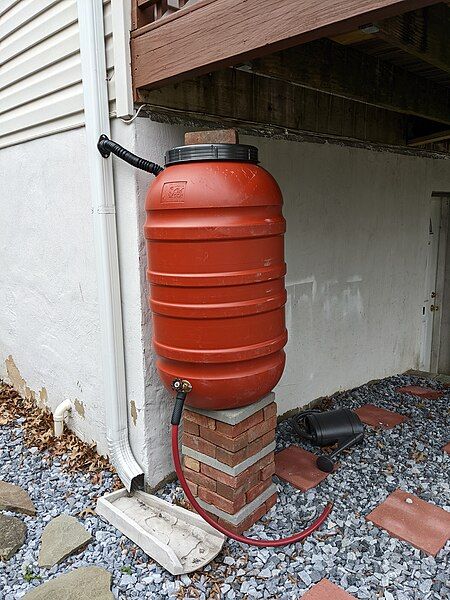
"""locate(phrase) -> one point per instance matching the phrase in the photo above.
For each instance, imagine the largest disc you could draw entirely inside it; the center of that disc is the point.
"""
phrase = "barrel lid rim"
(212, 152)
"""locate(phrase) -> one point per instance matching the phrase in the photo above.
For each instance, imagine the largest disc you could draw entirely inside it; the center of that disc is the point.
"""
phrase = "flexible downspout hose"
(106, 146)
(297, 537)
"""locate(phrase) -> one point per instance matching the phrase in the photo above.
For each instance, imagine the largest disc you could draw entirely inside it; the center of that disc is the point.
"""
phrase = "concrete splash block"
(179, 540)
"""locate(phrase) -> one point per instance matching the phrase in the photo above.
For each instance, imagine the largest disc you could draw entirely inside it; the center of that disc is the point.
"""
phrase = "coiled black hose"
(106, 146)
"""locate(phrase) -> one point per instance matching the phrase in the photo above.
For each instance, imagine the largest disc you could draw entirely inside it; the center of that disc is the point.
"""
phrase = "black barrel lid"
(200, 152)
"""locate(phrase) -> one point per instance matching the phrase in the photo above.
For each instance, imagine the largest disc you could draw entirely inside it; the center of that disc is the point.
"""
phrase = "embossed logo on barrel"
(173, 192)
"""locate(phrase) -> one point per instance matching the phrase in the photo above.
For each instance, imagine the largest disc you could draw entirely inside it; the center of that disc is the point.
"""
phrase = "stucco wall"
(357, 226)
(49, 331)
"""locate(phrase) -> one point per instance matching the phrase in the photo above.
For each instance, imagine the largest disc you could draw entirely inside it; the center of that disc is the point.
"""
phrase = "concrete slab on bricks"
(234, 416)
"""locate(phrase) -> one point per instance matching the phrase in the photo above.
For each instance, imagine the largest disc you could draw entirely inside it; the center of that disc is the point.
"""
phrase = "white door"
(430, 306)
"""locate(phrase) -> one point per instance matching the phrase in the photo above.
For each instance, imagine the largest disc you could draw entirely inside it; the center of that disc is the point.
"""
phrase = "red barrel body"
(215, 247)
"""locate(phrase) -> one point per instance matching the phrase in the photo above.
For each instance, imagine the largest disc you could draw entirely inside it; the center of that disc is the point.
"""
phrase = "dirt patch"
(79, 407)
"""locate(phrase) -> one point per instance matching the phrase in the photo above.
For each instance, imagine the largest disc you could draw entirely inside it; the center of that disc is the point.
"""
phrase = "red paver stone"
(379, 417)
(325, 590)
(447, 448)
(298, 467)
(422, 392)
(420, 523)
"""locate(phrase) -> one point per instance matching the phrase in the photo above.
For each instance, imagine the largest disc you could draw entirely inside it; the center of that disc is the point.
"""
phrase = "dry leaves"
(37, 427)
(418, 456)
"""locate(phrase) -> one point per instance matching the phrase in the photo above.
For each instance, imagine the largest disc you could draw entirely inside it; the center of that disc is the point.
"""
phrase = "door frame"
(440, 278)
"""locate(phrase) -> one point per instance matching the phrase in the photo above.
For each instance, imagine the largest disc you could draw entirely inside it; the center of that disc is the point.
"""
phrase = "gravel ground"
(352, 553)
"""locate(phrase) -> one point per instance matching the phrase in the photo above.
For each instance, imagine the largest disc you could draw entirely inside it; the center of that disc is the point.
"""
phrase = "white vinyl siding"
(41, 89)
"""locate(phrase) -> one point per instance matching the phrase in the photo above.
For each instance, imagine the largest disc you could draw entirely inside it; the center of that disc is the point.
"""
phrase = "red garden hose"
(239, 538)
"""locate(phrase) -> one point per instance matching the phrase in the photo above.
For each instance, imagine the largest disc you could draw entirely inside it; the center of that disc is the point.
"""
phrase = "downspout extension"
(64, 408)
(96, 111)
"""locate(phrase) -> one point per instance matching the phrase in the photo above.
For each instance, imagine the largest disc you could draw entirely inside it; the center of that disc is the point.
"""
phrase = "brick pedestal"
(229, 461)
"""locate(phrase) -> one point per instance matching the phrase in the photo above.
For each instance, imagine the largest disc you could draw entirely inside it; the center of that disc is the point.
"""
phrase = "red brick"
(235, 458)
(265, 439)
(191, 463)
(238, 480)
(200, 479)
(196, 443)
(221, 503)
(224, 478)
(236, 529)
(257, 490)
(223, 441)
(202, 420)
(235, 430)
(191, 427)
(231, 458)
(193, 487)
(266, 460)
(247, 522)
(269, 470)
(270, 411)
(271, 502)
(262, 429)
(232, 493)
(216, 136)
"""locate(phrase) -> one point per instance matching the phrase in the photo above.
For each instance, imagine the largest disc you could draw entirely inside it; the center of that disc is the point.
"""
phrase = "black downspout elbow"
(106, 146)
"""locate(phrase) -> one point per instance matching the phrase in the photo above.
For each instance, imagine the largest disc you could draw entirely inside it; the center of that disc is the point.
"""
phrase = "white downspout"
(96, 112)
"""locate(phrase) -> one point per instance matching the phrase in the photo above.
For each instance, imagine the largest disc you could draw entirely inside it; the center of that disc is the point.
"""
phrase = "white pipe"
(96, 112)
(59, 414)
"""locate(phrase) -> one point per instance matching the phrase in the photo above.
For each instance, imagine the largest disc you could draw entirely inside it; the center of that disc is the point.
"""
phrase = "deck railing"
(146, 12)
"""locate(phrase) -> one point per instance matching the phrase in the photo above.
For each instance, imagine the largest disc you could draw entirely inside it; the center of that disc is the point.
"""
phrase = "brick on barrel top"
(229, 461)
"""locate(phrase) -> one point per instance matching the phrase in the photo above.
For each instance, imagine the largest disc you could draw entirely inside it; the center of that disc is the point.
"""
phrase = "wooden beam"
(233, 98)
(424, 34)
(439, 136)
(225, 32)
(341, 70)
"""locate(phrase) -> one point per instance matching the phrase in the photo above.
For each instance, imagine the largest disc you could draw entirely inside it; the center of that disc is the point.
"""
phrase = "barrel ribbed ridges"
(216, 267)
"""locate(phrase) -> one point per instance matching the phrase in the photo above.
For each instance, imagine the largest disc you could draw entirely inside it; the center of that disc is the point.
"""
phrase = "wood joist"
(237, 98)
(343, 71)
(424, 34)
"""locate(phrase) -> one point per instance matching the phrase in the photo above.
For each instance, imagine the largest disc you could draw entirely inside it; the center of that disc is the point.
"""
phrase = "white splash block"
(179, 540)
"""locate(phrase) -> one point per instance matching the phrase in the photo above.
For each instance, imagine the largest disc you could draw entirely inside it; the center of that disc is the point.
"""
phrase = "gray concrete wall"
(356, 249)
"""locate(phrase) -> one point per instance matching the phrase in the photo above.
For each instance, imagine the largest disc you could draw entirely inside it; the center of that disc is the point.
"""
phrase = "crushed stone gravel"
(349, 551)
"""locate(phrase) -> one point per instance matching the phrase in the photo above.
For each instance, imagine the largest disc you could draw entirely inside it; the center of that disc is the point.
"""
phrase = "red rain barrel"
(215, 247)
